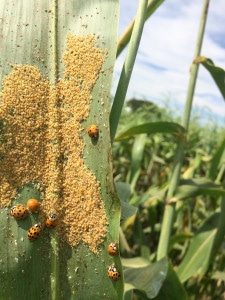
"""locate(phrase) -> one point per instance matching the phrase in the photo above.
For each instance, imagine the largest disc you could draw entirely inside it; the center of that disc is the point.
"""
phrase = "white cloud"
(167, 49)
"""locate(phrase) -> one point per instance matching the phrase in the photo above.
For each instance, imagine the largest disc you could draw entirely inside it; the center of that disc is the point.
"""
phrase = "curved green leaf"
(153, 127)
(217, 73)
(200, 186)
(127, 210)
(196, 261)
(135, 262)
(153, 193)
(123, 191)
(171, 288)
(148, 279)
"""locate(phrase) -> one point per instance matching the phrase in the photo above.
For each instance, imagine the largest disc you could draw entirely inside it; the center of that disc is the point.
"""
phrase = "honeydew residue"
(41, 142)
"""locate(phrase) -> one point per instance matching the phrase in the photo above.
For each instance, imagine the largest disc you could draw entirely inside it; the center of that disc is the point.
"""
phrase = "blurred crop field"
(144, 162)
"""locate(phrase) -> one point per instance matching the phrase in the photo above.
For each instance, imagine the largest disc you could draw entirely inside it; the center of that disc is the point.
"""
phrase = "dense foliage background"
(145, 162)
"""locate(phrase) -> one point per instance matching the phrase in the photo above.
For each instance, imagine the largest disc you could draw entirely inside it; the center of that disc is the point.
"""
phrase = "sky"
(161, 71)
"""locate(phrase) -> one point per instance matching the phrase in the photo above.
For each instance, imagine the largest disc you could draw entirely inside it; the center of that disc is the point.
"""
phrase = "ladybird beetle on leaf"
(113, 249)
(33, 205)
(93, 131)
(34, 232)
(19, 212)
(51, 220)
(113, 273)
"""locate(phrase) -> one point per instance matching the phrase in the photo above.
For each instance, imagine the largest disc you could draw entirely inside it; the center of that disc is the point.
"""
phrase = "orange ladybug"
(19, 212)
(113, 249)
(33, 205)
(113, 273)
(93, 131)
(34, 232)
(51, 220)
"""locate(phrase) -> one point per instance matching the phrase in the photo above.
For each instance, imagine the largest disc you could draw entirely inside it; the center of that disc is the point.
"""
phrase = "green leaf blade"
(217, 73)
(38, 38)
(199, 186)
(153, 127)
(196, 260)
(147, 278)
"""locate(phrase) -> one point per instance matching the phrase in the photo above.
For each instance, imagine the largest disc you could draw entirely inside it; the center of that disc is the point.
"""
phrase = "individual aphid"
(33, 205)
(113, 249)
(19, 212)
(51, 220)
(34, 232)
(113, 273)
(93, 131)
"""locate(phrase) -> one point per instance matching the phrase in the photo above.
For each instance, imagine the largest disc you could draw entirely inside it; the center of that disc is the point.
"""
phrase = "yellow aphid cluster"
(41, 142)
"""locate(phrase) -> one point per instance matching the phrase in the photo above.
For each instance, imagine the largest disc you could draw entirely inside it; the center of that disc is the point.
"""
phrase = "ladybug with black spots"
(113, 273)
(51, 220)
(19, 212)
(34, 232)
(93, 131)
(113, 249)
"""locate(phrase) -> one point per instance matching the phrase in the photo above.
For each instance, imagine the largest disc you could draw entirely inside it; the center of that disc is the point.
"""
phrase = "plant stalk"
(125, 37)
(168, 217)
(127, 68)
